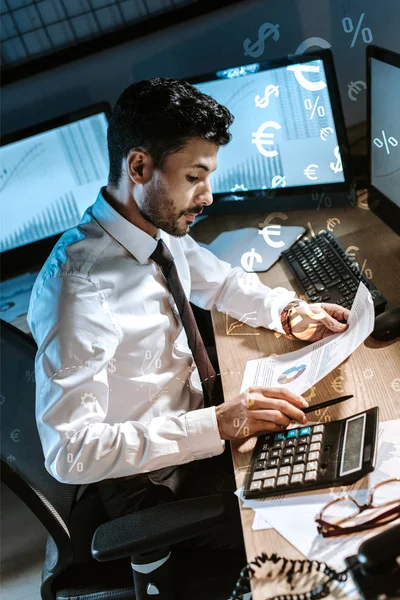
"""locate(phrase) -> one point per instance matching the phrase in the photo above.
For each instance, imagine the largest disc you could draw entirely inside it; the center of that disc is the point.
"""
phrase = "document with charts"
(298, 371)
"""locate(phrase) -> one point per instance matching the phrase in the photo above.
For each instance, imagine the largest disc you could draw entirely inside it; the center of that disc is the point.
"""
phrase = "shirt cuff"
(203, 434)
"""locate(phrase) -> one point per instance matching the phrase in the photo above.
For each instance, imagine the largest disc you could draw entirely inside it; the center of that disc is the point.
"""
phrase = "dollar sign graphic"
(269, 90)
(111, 365)
(247, 259)
(338, 166)
(256, 49)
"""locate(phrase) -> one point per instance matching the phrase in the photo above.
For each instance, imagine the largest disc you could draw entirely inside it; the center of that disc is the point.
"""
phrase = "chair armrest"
(156, 527)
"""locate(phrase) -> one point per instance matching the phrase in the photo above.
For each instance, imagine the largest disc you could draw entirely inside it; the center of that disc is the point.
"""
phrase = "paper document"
(298, 371)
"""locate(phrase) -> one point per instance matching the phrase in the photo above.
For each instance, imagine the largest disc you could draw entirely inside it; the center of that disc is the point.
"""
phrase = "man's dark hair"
(159, 116)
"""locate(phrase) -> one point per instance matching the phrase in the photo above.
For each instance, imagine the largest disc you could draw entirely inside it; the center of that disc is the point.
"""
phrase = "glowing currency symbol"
(269, 90)
(324, 132)
(278, 180)
(352, 254)
(265, 31)
(14, 435)
(111, 366)
(300, 69)
(330, 224)
(274, 230)
(247, 260)
(355, 88)
(310, 172)
(248, 282)
(395, 385)
(311, 43)
(337, 384)
(336, 167)
(2, 399)
(261, 139)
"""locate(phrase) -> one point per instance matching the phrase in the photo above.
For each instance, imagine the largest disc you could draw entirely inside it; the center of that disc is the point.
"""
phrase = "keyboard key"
(298, 469)
(313, 455)
(283, 480)
(305, 431)
(284, 471)
(297, 478)
(268, 483)
(287, 460)
(301, 449)
(311, 476)
(318, 428)
(315, 447)
(312, 466)
(265, 474)
(263, 455)
(275, 453)
(256, 485)
(272, 463)
(260, 465)
(292, 433)
(279, 436)
(300, 458)
(288, 451)
(316, 438)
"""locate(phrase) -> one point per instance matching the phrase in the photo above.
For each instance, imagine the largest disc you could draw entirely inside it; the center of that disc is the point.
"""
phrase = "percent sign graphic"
(367, 272)
(30, 375)
(236, 423)
(348, 27)
(379, 143)
(309, 106)
(321, 197)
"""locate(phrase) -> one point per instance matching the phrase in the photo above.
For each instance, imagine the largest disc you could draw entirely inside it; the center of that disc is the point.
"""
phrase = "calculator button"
(292, 433)
(265, 474)
(298, 469)
(315, 446)
(273, 463)
(261, 465)
(316, 438)
(256, 485)
(297, 478)
(288, 451)
(278, 445)
(311, 476)
(313, 455)
(265, 447)
(305, 431)
(287, 460)
(300, 458)
(279, 436)
(301, 449)
(318, 429)
(284, 480)
(312, 466)
(290, 444)
(269, 483)
(263, 455)
(275, 454)
(284, 471)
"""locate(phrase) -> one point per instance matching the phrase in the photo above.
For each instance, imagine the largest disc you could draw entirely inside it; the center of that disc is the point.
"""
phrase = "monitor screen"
(385, 129)
(284, 132)
(49, 179)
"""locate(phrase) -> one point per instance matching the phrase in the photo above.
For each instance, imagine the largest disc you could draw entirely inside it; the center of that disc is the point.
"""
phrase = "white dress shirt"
(117, 389)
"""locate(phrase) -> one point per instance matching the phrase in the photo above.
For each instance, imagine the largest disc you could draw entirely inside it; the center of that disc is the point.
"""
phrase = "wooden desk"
(372, 373)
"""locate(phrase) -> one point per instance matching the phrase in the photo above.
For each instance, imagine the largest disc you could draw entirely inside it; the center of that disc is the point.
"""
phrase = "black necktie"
(163, 257)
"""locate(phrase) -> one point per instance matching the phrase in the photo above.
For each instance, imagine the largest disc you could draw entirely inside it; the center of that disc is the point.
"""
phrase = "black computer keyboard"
(327, 273)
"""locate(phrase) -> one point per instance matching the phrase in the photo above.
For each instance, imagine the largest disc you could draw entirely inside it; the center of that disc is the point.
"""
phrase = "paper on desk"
(298, 371)
(259, 523)
(293, 515)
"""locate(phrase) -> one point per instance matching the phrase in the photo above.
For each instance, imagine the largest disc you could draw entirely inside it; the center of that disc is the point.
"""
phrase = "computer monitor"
(288, 134)
(50, 174)
(383, 119)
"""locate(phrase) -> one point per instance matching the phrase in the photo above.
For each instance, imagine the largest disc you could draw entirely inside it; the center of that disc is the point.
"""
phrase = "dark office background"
(208, 42)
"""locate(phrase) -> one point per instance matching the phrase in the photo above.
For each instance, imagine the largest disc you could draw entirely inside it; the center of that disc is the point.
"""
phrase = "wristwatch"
(285, 317)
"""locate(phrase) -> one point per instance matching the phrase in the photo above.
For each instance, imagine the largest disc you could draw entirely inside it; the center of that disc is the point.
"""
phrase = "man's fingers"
(264, 426)
(277, 392)
(275, 416)
(333, 324)
(336, 311)
(284, 407)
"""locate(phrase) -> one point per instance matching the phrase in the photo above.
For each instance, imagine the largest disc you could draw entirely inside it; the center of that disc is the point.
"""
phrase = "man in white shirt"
(119, 401)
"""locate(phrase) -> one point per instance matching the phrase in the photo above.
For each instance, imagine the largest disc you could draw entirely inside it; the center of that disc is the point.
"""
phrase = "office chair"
(87, 555)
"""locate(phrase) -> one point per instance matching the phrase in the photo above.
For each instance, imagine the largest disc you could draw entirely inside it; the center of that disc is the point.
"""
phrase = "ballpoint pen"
(325, 404)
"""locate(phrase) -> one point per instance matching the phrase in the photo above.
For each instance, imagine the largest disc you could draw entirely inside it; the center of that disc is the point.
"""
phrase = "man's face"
(178, 192)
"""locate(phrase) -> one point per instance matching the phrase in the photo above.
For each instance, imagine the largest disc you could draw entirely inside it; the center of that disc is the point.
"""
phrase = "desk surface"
(371, 240)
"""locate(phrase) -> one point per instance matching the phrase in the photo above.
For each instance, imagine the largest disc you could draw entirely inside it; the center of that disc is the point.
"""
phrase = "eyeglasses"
(345, 515)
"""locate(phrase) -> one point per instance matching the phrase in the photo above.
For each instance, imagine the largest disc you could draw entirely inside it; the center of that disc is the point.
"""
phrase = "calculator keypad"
(290, 457)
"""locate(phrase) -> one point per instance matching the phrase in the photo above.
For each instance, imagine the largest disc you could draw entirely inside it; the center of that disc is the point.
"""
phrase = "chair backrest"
(22, 456)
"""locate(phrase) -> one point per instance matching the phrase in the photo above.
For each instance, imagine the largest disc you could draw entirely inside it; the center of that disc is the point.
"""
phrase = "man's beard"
(158, 209)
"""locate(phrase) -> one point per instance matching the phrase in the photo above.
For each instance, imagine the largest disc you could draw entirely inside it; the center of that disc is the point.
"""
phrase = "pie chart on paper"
(291, 374)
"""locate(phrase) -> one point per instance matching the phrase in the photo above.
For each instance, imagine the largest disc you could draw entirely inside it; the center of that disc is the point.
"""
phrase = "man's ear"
(139, 166)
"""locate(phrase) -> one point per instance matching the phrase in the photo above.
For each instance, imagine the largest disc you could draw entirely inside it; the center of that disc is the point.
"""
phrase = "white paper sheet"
(260, 523)
(298, 371)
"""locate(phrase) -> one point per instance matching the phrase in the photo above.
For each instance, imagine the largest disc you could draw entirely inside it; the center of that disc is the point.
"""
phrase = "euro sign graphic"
(265, 31)
(272, 230)
(261, 139)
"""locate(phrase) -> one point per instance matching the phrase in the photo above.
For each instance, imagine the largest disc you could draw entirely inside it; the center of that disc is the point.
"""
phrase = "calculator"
(312, 457)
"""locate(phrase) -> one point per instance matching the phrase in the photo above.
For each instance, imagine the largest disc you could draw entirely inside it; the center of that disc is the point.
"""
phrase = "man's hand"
(313, 322)
(257, 410)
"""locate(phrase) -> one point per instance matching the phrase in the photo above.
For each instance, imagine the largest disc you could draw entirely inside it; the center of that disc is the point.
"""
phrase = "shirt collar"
(139, 243)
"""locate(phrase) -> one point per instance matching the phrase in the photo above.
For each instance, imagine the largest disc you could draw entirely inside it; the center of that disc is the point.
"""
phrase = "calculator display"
(353, 445)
